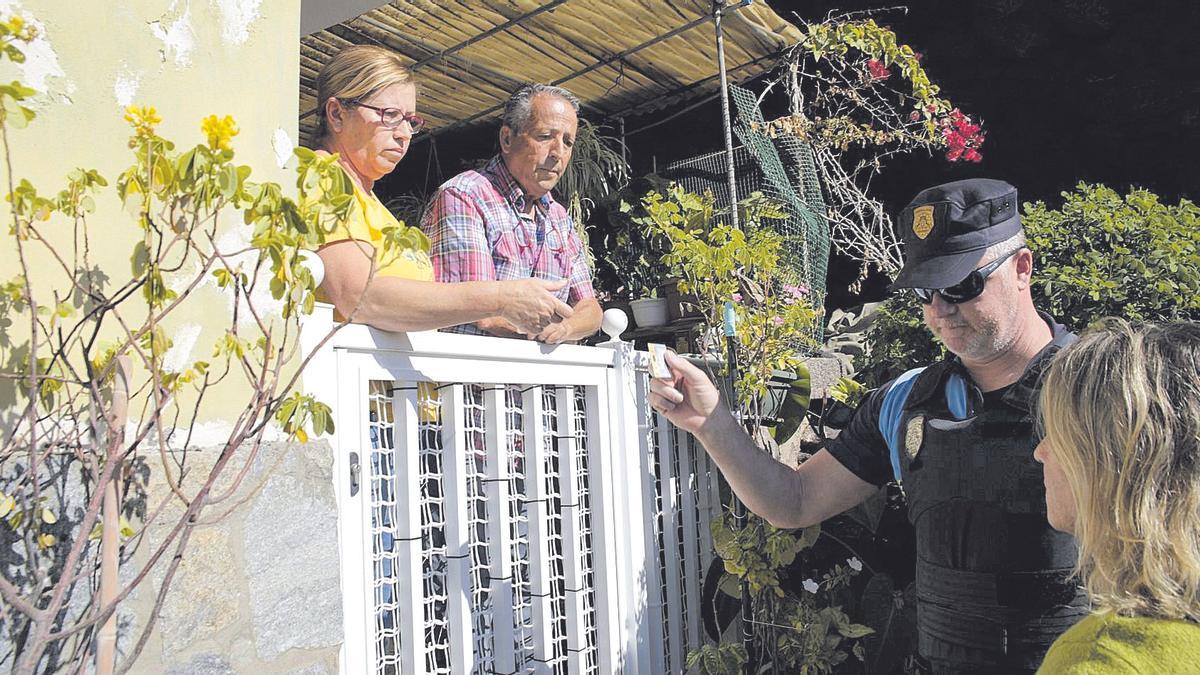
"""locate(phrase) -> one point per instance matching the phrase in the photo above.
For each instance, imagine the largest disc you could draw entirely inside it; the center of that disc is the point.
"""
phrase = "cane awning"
(620, 57)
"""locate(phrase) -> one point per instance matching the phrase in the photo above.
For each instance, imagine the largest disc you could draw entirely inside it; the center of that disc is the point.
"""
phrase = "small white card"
(658, 361)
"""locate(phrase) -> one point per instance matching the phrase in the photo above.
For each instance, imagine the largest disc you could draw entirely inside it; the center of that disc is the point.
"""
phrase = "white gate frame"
(627, 569)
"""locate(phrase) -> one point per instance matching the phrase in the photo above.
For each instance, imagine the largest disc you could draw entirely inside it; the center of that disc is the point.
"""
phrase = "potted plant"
(649, 310)
(680, 304)
(629, 266)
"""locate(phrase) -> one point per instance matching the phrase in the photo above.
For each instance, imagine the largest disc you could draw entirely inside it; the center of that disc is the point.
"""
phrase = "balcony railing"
(508, 507)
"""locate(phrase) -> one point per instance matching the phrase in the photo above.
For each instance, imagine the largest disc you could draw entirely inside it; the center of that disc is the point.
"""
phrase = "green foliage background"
(1102, 254)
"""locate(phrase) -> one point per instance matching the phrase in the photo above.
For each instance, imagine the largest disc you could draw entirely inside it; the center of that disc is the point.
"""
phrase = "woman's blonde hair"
(357, 73)
(1120, 410)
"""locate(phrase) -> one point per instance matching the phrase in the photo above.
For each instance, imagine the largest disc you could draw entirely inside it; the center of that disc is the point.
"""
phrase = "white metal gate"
(506, 507)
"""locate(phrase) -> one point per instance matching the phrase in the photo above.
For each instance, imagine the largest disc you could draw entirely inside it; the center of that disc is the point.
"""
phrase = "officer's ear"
(1023, 262)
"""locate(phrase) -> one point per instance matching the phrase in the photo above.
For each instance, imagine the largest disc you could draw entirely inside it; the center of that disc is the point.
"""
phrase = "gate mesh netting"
(544, 528)
(783, 169)
(485, 613)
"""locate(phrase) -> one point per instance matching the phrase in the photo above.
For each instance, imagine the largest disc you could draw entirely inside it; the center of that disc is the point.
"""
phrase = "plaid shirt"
(479, 232)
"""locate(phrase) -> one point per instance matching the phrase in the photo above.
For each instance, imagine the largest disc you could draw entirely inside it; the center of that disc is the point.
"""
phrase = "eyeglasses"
(967, 289)
(392, 117)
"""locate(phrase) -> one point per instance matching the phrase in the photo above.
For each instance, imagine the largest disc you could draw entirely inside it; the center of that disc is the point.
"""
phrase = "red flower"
(878, 70)
(961, 136)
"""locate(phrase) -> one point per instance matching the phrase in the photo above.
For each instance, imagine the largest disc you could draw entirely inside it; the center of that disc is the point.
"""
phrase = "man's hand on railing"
(689, 399)
(530, 306)
(584, 322)
(555, 333)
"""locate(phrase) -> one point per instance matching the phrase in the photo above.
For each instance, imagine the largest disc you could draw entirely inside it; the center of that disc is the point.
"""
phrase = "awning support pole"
(621, 130)
(739, 509)
(726, 125)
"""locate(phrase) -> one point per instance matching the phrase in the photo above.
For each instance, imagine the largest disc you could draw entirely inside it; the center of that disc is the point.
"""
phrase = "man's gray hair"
(519, 107)
(1003, 248)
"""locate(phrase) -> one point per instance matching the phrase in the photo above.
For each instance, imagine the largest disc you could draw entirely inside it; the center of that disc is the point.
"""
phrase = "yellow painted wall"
(188, 58)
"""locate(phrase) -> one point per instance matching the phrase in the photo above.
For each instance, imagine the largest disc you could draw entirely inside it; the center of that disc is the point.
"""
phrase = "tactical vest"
(992, 576)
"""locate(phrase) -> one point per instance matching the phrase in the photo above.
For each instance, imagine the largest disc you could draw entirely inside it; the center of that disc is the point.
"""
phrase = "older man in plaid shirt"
(502, 223)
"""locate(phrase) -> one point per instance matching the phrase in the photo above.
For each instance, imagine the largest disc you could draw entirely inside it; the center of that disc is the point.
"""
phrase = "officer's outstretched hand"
(689, 399)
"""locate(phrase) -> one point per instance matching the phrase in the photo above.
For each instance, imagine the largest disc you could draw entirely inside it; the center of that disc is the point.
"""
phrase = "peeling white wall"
(237, 16)
(188, 59)
(183, 340)
(41, 69)
(283, 146)
(174, 30)
(125, 88)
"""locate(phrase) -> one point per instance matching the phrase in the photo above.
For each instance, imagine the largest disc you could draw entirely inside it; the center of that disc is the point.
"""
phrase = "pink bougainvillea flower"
(777, 320)
(961, 136)
(737, 297)
(878, 70)
(795, 291)
(915, 116)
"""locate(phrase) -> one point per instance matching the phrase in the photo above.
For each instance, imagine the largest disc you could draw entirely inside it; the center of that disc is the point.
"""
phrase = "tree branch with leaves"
(81, 344)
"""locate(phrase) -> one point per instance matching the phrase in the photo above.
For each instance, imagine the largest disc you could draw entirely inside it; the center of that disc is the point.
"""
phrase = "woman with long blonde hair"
(1120, 411)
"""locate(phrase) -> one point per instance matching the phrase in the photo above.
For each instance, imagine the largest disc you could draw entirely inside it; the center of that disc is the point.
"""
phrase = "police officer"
(993, 587)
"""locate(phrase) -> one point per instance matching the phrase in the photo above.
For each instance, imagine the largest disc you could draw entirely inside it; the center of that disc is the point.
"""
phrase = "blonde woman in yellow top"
(367, 116)
(1121, 462)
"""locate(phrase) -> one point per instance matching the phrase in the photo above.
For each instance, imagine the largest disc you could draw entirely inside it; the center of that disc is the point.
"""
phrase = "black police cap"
(946, 230)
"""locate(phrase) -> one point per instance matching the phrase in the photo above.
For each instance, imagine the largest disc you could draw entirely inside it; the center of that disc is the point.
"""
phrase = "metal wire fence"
(783, 169)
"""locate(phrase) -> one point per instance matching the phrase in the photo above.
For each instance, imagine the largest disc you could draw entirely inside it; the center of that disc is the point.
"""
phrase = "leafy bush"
(896, 341)
(719, 264)
(629, 255)
(1101, 254)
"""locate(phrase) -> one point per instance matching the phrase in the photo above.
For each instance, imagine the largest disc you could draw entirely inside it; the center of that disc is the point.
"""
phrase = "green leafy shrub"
(718, 264)
(628, 262)
(1102, 254)
(896, 341)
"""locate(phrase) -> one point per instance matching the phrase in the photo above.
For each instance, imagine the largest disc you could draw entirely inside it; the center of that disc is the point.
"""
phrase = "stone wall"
(257, 592)
(258, 586)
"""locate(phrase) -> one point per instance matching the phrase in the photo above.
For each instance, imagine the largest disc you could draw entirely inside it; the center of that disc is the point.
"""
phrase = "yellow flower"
(219, 131)
(20, 30)
(143, 119)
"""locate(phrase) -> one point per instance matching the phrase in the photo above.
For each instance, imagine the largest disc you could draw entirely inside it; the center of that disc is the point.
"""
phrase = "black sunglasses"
(967, 289)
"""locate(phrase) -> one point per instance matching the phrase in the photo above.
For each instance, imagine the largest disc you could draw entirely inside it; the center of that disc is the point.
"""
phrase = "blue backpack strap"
(956, 396)
(892, 411)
